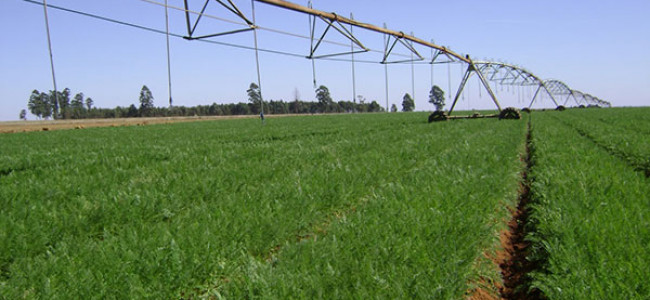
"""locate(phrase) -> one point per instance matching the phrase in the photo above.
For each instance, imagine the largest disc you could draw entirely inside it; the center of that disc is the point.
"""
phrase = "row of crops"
(591, 211)
(347, 206)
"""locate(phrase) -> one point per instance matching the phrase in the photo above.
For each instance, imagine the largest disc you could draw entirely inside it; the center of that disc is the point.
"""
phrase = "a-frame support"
(471, 68)
(542, 85)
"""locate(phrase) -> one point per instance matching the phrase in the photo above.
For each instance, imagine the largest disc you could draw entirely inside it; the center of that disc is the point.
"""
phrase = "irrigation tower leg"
(486, 85)
(569, 98)
(468, 73)
(534, 97)
(549, 93)
(49, 45)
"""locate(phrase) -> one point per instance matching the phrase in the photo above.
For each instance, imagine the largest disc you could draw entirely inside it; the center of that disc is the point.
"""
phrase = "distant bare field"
(47, 125)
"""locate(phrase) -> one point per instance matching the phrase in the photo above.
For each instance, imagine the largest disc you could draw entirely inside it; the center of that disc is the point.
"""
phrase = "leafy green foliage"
(42, 105)
(39, 104)
(89, 103)
(437, 97)
(58, 105)
(324, 99)
(334, 206)
(621, 131)
(408, 104)
(255, 97)
(146, 102)
(590, 210)
(167, 214)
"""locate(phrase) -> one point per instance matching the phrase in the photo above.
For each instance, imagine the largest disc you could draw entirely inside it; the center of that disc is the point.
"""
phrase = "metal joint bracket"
(230, 6)
(336, 24)
(389, 49)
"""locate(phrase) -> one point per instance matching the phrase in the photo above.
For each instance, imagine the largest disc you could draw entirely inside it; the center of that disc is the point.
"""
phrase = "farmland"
(592, 203)
(331, 206)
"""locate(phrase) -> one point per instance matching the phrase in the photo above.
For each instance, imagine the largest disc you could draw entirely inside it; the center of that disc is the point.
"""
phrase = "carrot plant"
(432, 211)
(371, 205)
(590, 214)
(623, 132)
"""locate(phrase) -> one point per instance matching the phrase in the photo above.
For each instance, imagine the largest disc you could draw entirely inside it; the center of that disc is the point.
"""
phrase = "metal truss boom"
(500, 73)
(515, 76)
(250, 25)
(340, 19)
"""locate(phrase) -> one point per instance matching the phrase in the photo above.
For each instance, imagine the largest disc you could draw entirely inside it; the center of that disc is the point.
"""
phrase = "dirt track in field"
(511, 258)
(48, 125)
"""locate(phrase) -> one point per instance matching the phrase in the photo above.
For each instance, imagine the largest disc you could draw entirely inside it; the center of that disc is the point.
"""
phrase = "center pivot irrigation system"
(487, 72)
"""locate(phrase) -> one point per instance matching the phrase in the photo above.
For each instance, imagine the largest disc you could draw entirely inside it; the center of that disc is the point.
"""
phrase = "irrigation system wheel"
(525, 109)
(560, 108)
(510, 113)
(438, 116)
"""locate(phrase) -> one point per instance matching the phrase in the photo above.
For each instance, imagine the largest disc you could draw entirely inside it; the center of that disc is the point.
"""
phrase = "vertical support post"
(354, 83)
(480, 96)
(169, 68)
(386, 67)
(187, 19)
(257, 60)
(449, 80)
(412, 73)
(49, 45)
(486, 84)
(312, 29)
(432, 65)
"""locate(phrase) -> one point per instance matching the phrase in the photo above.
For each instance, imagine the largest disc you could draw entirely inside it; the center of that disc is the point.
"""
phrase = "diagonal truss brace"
(332, 23)
(437, 53)
(389, 49)
(542, 85)
(471, 68)
(230, 6)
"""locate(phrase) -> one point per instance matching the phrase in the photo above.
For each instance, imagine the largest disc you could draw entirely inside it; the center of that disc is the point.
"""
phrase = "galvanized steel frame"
(501, 73)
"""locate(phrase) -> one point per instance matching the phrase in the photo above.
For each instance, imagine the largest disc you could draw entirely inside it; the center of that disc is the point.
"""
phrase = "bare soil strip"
(49, 125)
(511, 258)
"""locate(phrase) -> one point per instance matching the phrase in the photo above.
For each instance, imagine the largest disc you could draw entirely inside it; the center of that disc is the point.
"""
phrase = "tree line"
(59, 105)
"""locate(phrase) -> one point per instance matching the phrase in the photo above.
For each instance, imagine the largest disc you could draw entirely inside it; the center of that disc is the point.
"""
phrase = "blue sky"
(598, 47)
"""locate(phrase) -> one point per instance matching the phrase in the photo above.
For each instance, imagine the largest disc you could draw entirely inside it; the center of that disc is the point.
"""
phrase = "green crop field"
(592, 203)
(359, 206)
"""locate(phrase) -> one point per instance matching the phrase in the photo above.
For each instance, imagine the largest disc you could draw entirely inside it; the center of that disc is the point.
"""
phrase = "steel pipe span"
(501, 73)
(341, 19)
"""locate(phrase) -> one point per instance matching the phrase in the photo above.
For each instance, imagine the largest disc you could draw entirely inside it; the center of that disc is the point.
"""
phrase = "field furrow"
(622, 134)
(591, 217)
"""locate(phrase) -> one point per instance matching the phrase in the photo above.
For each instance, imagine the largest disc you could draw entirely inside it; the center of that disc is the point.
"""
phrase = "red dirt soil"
(511, 258)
